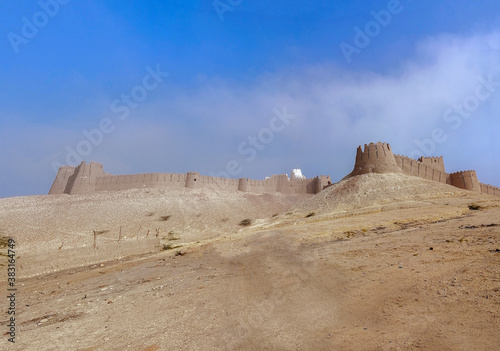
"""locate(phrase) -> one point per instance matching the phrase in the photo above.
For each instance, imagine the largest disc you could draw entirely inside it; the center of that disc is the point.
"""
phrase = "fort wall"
(465, 180)
(139, 181)
(62, 177)
(416, 168)
(489, 189)
(88, 178)
(84, 178)
(375, 158)
(281, 183)
(322, 182)
(204, 181)
(436, 163)
(378, 158)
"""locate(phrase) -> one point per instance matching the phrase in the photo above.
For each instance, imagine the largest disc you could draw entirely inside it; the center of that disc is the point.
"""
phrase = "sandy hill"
(54, 222)
(373, 191)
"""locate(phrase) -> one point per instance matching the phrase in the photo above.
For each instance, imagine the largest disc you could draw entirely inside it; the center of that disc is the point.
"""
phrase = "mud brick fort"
(375, 158)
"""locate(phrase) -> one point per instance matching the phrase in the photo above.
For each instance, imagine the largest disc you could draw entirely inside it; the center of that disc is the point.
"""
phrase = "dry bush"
(246, 222)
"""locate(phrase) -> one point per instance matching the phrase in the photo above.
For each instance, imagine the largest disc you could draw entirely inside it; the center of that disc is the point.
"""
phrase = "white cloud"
(336, 110)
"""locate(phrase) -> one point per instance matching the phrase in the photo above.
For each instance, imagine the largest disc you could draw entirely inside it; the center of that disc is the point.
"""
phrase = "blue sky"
(176, 86)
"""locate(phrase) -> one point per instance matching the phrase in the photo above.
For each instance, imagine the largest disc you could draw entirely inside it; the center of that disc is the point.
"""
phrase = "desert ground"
(374, 262)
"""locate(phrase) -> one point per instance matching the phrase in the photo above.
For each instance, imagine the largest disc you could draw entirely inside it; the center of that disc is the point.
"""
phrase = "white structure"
(297, 174)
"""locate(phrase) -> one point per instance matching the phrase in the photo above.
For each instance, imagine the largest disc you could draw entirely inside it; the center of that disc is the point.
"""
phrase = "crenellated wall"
(203, 181)
(490, 189)
(376, 158)
(430, 170)
(433, 162)
(465, 180)
(138, 181)
(281, 183)
(323, 182)
(416, 168)
(88, 178)
(77, 180)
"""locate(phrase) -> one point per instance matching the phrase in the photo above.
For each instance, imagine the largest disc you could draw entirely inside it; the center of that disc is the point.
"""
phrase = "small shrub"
(310, 214)
(4, 241)
(274, 215)
(171, 236)
(170, 246)
(474, 207)
(246, 222)
(349, 233)
(165, 218)
(98, 232)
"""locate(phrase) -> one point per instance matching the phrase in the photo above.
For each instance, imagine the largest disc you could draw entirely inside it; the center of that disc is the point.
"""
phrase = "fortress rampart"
(436, 163)
(418, 169)
(77, 180)
(145, 180)
(374, 158)
(465, 180)
(490, 189)
(378, 158)
(89, 178)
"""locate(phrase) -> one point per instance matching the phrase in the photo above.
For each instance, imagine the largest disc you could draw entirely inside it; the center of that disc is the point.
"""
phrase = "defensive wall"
(379, 158)
(89, 178)
(490, 189)
(374, 158)
(419, 169)
(433, 162)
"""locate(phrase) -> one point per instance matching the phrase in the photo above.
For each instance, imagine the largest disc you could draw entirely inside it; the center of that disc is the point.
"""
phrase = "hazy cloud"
(177, 130)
